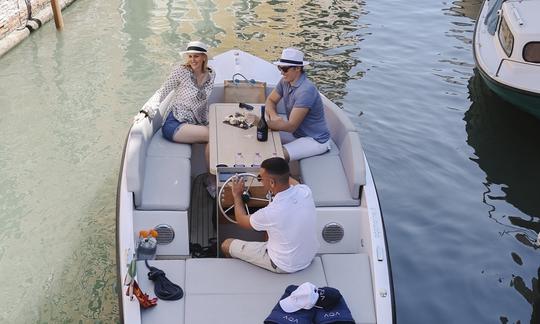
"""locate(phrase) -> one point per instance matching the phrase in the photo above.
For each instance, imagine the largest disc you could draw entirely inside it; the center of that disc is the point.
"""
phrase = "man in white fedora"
(305, 132)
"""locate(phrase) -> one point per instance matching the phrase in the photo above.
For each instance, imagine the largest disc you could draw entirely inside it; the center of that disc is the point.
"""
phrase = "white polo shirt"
(291, 223)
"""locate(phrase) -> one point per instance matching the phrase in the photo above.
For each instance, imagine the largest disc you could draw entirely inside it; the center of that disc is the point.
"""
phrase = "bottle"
(262, 127)
(257, 159)
(239, 160)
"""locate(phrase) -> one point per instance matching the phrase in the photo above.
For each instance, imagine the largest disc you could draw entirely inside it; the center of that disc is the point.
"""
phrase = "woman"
(192, 82)
(187, 115)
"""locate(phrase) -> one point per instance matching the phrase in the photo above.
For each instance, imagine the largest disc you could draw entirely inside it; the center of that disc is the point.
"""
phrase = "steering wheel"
(247, 195)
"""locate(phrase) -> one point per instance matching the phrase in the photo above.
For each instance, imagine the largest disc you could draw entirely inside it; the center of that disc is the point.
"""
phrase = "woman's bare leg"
(198, 134)
(191, 134)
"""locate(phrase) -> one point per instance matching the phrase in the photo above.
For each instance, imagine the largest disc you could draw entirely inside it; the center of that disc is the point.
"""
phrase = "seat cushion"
(337, 121)
(334, 149)
(325, 176)
(228, 276)
(167, 184)
(352, 158)
(233, 291)
(166, 311)
(351, 274)
(139, 137)
(159, 146)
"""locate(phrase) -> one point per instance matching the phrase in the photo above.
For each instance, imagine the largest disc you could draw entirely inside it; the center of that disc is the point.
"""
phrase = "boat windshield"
(492, 17)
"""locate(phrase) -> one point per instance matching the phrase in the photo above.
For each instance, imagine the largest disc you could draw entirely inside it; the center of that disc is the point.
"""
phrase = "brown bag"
(247, 91)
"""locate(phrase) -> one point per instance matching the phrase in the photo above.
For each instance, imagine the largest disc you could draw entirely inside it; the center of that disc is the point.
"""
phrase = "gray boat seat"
(158, 172)
(166, 311)
(233, 291)
(351, 274)
(335, 180)
(338, 123)
(159, 146)
(335, 177)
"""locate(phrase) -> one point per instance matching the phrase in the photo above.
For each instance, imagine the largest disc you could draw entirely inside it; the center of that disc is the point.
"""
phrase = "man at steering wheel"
(289, 220)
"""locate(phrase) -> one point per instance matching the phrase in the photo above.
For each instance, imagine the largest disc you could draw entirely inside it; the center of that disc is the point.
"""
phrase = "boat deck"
(233, 291)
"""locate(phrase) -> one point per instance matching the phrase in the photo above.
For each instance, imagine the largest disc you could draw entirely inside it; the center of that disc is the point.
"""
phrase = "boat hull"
(526, 101)
(511, 78)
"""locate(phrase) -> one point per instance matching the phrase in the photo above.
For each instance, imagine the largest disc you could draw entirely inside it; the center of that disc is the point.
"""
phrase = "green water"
(456, 167)
(66, 100)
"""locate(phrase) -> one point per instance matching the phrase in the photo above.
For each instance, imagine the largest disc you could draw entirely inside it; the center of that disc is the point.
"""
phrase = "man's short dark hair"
(278, 168)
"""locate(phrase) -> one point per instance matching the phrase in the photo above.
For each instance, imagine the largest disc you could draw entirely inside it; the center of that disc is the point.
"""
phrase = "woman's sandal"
(143, 298)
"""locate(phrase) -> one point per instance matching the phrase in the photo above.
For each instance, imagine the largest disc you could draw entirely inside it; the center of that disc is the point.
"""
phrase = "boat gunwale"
(119, 281)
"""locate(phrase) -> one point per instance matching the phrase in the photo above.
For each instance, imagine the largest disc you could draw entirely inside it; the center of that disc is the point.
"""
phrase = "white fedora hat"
(196, 47)
(291, 57)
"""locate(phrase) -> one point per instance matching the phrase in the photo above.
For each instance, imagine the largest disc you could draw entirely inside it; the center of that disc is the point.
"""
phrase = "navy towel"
(279, 316)
(339, 314)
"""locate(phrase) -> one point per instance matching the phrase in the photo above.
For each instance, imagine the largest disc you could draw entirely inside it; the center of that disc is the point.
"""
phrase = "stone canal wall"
(14, 13)
(18, 18)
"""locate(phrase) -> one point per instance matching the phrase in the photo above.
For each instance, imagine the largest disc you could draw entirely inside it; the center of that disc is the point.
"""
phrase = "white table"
(226, 141)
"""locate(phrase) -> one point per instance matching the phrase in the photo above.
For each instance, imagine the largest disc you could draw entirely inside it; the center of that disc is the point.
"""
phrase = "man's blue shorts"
(170, 127)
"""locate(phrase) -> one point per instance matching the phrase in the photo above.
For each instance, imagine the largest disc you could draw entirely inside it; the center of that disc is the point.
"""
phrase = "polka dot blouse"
(190, 101)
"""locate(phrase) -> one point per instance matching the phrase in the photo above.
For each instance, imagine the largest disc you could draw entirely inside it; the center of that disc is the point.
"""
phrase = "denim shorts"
(170, 127)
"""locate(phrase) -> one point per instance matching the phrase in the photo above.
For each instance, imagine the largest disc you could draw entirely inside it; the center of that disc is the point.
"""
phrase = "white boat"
(507, 50)
(159, 187)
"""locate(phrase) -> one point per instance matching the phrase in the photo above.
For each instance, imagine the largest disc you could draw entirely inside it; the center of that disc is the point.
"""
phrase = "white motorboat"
(507, 50)
(160, 188)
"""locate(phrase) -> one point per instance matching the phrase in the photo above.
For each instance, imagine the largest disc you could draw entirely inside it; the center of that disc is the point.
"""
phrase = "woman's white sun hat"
(291, 57)
(196, 47)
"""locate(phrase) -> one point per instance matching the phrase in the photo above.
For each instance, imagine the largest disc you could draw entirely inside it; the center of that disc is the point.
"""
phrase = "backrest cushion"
(352, 158)
(159, 116)
(140, 135)
(338, 123)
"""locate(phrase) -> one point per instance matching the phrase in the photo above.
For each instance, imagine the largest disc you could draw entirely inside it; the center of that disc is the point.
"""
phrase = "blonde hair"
(205, 62)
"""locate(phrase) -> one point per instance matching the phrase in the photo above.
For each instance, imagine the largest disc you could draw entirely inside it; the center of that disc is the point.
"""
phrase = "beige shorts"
(254, 253)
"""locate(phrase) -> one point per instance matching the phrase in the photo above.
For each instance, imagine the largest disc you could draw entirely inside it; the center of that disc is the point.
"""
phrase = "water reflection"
(499, 133)
(532, 295)
(467, 8)
(332, 33)
(328, 32)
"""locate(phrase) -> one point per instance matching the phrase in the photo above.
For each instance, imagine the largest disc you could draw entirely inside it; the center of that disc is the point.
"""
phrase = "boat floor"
(202, 211)
(202, 221)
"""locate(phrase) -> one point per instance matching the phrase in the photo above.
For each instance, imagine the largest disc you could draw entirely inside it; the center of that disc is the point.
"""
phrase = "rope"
(163, 287)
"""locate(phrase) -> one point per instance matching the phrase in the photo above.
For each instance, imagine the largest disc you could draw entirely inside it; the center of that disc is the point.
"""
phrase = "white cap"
(305, 296)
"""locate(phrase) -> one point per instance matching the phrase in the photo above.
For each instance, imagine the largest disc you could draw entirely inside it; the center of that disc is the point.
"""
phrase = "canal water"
(456, 167)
